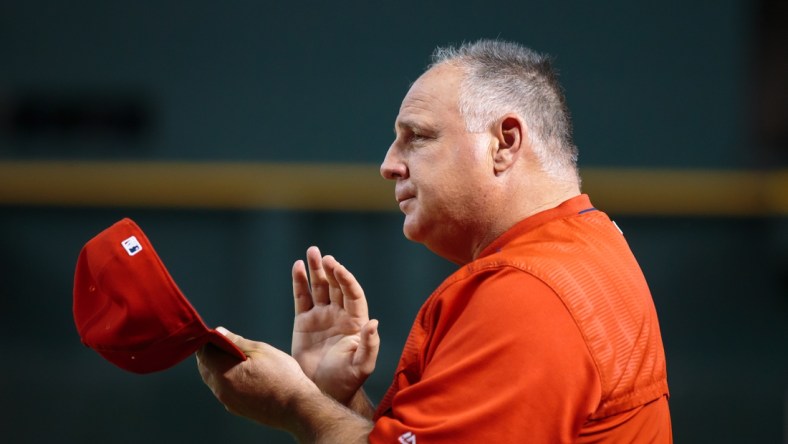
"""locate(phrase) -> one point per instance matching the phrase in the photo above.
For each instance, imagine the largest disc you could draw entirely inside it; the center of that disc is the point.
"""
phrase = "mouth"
(403, 199)
(403, 196)
(403, 193)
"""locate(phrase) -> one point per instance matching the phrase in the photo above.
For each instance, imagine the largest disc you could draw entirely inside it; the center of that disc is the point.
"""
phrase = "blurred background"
(239, 133)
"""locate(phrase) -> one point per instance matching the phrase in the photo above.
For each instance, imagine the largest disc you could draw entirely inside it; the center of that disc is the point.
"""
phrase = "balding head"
(502, 77)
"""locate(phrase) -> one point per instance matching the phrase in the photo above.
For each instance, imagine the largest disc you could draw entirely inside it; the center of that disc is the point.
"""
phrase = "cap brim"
(225, 344)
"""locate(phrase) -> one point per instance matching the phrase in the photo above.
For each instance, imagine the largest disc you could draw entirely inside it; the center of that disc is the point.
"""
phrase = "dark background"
(697, 85)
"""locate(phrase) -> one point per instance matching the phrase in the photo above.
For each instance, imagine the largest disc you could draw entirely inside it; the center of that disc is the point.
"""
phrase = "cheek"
(451, 179)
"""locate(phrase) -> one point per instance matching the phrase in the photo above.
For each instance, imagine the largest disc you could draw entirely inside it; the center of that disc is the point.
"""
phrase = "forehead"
(433, 97)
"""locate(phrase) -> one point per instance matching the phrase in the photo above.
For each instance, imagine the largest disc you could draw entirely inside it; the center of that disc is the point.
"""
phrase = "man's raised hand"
(334, 341)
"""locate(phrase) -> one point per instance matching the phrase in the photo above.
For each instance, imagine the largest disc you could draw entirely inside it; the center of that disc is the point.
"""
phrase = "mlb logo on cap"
(128, 308)
(132, 245)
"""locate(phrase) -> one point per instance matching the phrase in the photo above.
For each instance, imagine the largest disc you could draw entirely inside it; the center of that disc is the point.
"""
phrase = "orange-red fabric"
(549, 336)
(649, 423)
(128, 308)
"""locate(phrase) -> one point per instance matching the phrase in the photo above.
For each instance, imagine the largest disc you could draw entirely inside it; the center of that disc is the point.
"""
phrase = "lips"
(403, 196)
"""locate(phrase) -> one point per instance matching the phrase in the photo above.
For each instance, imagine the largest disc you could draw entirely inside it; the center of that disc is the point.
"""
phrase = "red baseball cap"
(128, 308)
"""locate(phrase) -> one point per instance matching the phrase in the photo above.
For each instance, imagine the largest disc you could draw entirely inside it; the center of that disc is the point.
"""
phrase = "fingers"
(317, 276)
(335, 292)
(214, 359)
(242, 343)
(302, 297)
(311, 289)
(261, 388)
(211, 361)
(354, 301)
(326, 282)
(367, 353)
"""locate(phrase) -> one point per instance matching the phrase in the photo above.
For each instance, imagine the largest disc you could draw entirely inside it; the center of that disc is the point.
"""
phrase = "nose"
(393, 166)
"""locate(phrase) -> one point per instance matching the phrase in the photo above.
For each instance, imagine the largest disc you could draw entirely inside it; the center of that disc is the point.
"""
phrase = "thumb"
(367, 353)
(242, 343)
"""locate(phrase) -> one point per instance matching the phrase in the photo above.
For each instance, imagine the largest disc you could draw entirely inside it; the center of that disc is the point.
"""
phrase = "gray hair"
(502, 77)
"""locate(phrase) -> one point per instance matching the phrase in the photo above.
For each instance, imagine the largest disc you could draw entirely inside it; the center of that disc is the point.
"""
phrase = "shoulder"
(503, 304)
(488, 286)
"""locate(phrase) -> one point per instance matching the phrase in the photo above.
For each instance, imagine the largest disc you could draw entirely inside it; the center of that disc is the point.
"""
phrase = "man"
(547, 333)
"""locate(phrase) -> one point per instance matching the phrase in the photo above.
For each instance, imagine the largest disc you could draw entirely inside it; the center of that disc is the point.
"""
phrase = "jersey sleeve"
(505, 362)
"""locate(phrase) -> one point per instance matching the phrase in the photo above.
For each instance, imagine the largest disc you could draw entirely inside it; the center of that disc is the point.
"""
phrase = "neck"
(537, 194)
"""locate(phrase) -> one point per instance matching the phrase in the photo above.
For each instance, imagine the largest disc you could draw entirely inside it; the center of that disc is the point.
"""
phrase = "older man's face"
(439, 167)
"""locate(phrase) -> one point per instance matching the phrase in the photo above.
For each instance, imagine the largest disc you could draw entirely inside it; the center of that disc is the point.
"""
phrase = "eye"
(418, 137)
(413, 135)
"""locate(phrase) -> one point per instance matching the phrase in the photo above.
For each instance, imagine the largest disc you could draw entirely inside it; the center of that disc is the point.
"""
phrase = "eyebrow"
(407, 124)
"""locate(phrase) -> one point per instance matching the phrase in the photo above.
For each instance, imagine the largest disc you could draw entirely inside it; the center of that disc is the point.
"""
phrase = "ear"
(511, 134)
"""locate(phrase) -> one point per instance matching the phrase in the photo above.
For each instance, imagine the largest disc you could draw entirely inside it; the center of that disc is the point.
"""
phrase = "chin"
(412, 231)
(409, 234)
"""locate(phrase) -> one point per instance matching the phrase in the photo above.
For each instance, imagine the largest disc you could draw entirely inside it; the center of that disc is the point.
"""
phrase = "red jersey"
(550, 335)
